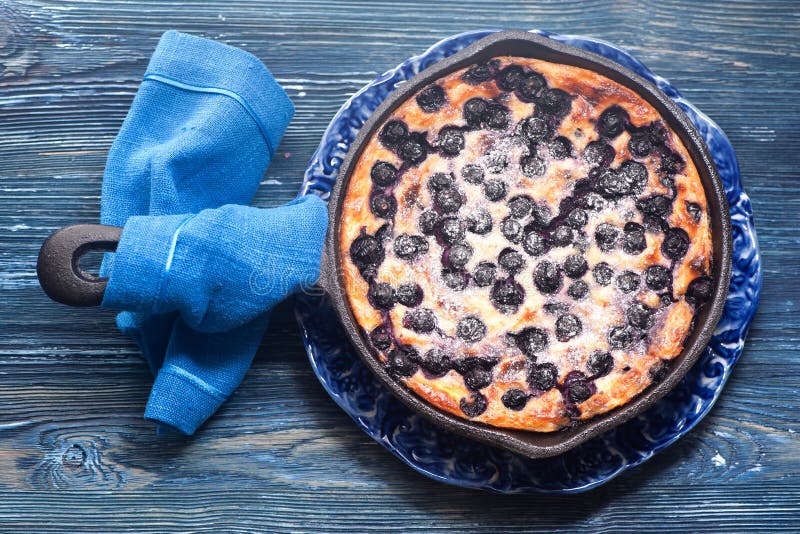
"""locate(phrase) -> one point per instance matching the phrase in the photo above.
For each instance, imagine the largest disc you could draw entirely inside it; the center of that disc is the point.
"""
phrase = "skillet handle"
(58, 267)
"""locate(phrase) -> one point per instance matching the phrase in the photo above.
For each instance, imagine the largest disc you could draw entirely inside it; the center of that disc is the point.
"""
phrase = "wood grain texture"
(280, 456)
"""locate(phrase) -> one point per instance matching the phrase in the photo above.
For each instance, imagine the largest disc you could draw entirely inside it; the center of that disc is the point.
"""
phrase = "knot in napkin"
(196, 270)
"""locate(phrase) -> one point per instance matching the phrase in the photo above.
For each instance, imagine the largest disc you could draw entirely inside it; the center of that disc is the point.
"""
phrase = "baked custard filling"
(525, 244)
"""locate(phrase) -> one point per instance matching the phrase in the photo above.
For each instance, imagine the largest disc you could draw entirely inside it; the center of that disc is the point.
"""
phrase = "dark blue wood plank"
(280, 456)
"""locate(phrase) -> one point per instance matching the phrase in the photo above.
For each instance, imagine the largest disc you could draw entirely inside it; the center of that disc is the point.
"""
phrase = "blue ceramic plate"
(457, 460)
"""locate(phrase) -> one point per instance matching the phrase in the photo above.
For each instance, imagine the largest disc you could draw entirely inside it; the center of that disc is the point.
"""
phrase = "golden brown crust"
(604, 308)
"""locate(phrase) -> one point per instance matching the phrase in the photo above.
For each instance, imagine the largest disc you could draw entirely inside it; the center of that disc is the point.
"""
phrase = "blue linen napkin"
(195, 271)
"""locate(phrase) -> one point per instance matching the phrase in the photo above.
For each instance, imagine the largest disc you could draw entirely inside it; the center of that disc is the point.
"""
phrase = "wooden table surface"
(75, 453)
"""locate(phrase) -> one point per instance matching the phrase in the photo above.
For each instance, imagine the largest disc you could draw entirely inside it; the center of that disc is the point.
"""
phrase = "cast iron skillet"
(62, 279)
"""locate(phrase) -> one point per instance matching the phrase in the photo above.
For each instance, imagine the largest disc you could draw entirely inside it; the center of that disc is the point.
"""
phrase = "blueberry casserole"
(525, 244)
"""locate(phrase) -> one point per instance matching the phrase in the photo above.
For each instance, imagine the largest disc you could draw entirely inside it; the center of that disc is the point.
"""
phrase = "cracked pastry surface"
(525, 244)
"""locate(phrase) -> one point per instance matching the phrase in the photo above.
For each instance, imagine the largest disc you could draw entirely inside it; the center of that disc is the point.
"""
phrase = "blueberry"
(675, 244)
(381, 295)
(602, 273)
(620, 337)
(534, 244)
(393, 134)
(668, 182)
(520, 206)
(450, 230)
(578, 289)
(591, 201)
(548, 277)
(477, 378)
(448, 200)
(507, 295)
(384, 232)
(582, 241)
(508, 79)
(408, 246)
(654, 224)
(611, 184)
(383, 205)
(400, 361)
(567, 327)
(366, 250)
(409, 295)
(699, 290)
(658, 371)
(497, 116)
(479, 222)
(577, 218)
(368, 272)
(555, 102)
(634, 174)
(657, 277)
(606, 236)
(657, 205)
(560, 148)
(474, 111)
(471, 329)
(598, 153)
(381, 337)
(694, 210)
(413, 151)
(431, 98)
(515, 399)
(639, 315)
(455, 279)
(457, 256)
(575, 266)
(577, 388)
(532, 166)
(494, 190)
(511, 229)
(484, 274)
(467, 364)
(511, 261)
(427, 221)
(475, 406)
(657, 133)
(472, 173)
(478, 74)
(542, 216)
(436, 362)
(543, 377)
(420, 320)
(534, 129)
(671, 163)
(383, 173)
(450, 140)
(612, 121)
(628, 281)
(530, 86)
(555, 308)
(600, 363)
(633, 239)
(531, 341)
(496, 161)
(562, 236)
(640, 144)
(440, 180)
